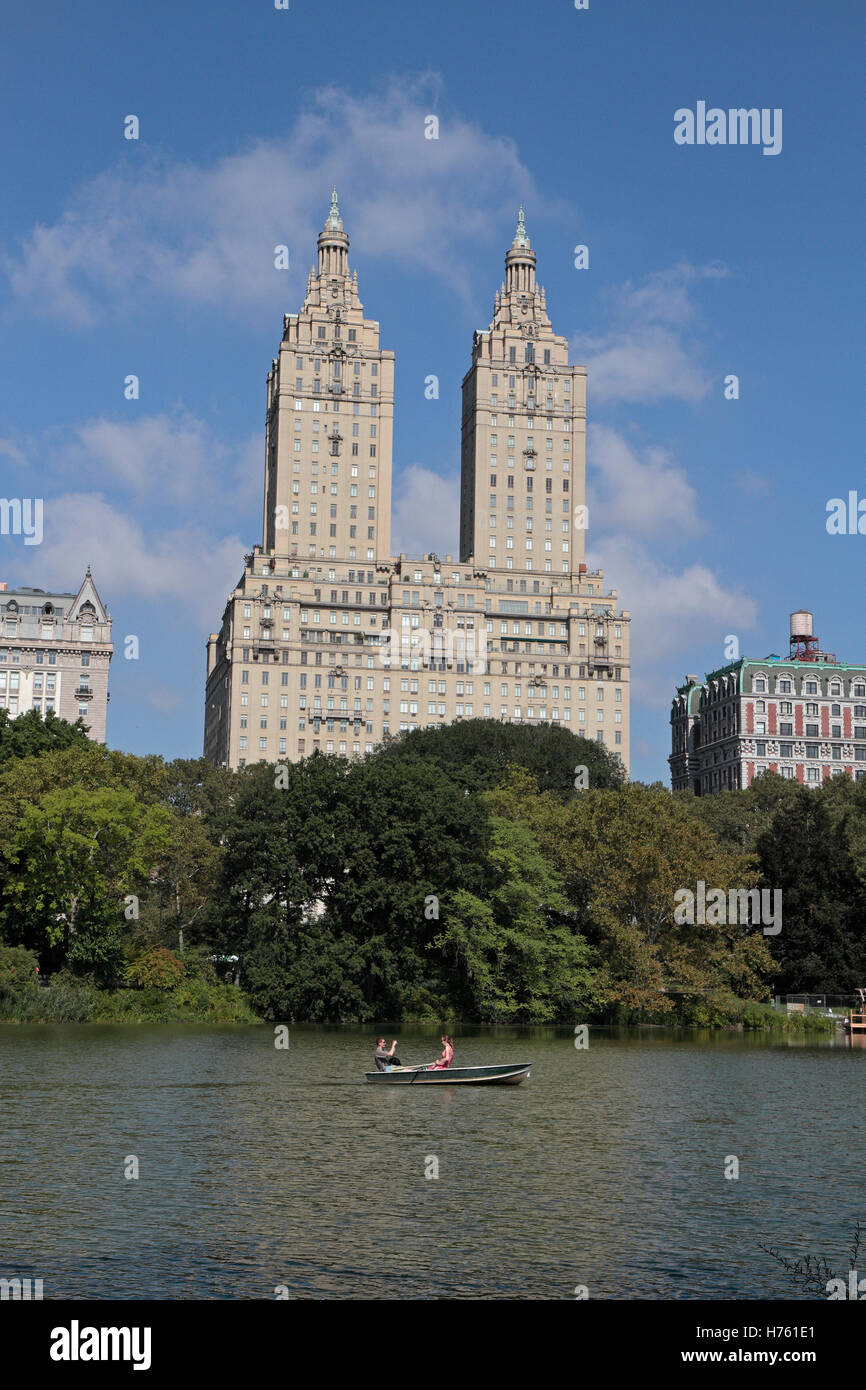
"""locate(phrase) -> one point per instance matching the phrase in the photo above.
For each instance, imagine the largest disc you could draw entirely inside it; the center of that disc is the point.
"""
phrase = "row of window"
(317, 362)
(813, 750)
(529, 483)
(810, 730)
(461, 688)
(12, 629)
(527, 545)
(530, 424)
(787, 707)
(335, 406)
(13, 705)
(342, 745)
(529, 356)
(785, 686)
(14, 657)
(811, 774)
(332, 553)
(11, 681)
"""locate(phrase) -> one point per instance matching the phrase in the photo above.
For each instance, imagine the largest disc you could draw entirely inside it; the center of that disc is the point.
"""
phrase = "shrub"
(156, 968)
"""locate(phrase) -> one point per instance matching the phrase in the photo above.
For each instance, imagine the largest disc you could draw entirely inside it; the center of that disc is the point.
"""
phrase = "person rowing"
(384, 1058)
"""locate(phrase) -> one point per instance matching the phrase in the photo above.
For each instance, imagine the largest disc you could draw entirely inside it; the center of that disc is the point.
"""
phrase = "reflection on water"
(261, 1167)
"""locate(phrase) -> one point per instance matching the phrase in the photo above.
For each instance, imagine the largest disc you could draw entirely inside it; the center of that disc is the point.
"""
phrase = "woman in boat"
(447, 1055)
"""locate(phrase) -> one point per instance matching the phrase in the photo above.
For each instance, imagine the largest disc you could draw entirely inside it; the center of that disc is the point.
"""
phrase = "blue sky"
(155, 257)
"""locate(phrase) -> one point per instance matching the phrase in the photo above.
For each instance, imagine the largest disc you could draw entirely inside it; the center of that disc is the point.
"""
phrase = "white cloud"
(637, 508)
(650, 354)
(206, 234)
(155, 454)
(650, 496)
(185, 573)
(425, 515)
(673, 613)
(12, 451)
(169, 458)
(752, 483)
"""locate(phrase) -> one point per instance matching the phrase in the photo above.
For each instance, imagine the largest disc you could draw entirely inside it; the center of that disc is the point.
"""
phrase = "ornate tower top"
(520, 262)
(520, 237)
(334, 222)
(333, 244)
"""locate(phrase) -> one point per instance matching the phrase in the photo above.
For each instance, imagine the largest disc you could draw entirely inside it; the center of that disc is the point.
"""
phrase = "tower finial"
(334, 221)
(520, 237)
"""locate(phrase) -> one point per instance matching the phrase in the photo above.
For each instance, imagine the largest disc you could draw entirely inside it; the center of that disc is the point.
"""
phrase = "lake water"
(261, 1168)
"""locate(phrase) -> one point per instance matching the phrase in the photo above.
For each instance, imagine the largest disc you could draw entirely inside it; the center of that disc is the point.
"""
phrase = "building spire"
(333, 244)
(520, 262)
(520, 237)
(334, 222)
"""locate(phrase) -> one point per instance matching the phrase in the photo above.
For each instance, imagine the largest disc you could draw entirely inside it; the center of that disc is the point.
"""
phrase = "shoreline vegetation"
(482, 873)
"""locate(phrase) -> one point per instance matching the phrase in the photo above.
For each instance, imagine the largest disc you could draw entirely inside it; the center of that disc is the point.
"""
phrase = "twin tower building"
(329, 641)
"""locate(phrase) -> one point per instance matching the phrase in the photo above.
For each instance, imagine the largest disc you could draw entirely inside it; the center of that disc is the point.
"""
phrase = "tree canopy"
(464, 872)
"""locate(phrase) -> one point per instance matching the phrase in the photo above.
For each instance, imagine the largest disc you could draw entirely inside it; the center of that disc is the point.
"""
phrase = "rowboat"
(506, 1074)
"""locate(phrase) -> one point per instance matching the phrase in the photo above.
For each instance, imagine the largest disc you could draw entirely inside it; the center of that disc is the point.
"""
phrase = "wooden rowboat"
(506, 1074)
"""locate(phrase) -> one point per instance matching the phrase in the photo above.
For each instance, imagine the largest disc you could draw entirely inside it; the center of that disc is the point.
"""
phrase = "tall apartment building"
(55, 651)
(802, 716)
(330, 642)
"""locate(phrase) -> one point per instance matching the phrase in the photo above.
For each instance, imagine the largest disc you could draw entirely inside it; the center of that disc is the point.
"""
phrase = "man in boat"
(385, 1058)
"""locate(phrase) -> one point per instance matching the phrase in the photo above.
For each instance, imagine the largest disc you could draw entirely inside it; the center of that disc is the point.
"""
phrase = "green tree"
(478, 754)
(328, 882)
(738, 819)
(516, 955)
(29, 734)
(806, 853)
(72, 859)
(623, 856)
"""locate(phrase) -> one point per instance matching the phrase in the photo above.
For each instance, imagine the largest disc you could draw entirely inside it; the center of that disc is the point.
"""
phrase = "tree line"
(487, 872)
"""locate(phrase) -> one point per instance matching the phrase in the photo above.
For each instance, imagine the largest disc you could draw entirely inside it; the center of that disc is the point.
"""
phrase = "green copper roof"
(520, 237)
(739, 666)
(334, 222)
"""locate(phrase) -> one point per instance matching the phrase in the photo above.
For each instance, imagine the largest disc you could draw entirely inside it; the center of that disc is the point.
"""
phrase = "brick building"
(802, 716)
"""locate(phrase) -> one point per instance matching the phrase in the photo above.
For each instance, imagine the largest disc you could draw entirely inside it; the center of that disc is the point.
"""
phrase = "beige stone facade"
(55, 652)
(328, 641)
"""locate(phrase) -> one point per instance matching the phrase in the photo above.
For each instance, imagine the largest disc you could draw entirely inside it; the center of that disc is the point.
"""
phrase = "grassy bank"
(77, 1002)
(157, 988)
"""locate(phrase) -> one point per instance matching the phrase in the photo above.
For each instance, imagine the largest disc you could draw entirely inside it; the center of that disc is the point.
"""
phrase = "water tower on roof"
(804, 644)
